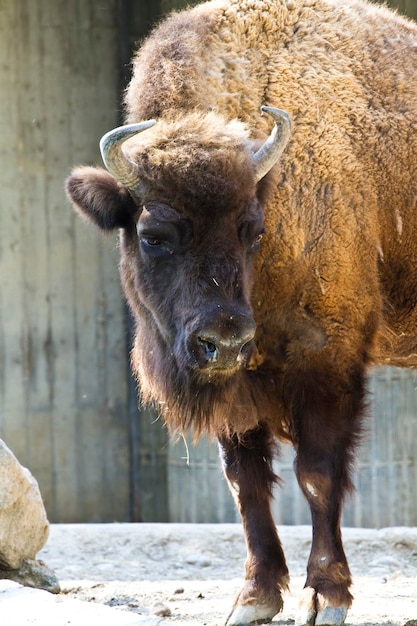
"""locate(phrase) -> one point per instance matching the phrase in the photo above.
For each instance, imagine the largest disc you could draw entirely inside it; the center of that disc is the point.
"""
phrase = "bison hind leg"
(314, 610)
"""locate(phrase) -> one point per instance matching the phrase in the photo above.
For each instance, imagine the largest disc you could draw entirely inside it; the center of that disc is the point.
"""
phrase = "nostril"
(210, 349)
(246, 350)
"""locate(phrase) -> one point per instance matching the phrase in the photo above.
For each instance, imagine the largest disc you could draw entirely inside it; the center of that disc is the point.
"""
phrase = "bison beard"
(325, 291)
(210, 403)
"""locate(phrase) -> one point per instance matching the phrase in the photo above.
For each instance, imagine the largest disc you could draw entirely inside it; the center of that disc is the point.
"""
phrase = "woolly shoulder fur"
(345, 72)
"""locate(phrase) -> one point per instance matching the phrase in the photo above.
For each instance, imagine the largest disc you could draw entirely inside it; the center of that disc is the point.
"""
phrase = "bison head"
(184, 194)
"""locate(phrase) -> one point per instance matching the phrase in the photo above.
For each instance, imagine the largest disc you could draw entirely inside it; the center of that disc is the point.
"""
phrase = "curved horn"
(112, 152)
(268, 154)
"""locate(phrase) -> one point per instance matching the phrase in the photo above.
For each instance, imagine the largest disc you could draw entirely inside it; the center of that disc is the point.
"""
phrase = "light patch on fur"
(320, 280)
(235, 486)
(311, 490)
(399, 220)
(380, 252)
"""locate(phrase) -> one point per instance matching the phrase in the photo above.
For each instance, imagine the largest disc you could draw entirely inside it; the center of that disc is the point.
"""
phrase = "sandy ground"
(188, 574)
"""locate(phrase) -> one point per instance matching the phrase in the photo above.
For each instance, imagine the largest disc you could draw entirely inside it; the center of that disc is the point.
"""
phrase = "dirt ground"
(188, 574)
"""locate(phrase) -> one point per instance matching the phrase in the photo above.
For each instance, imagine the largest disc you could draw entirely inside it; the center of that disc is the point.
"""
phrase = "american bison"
(264, 286)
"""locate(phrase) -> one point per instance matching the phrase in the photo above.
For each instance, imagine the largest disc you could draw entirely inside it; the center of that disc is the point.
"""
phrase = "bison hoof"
(314, 611)
(331, 616)
(245, 614)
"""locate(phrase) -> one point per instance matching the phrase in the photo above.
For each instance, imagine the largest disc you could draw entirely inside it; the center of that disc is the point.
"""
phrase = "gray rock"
(24, 526)
(33, 573)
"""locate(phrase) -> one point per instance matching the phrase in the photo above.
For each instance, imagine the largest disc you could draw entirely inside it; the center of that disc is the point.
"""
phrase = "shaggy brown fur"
(333, 287)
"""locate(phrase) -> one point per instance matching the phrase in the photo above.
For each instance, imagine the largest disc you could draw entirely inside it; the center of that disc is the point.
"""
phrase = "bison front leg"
(247, 463)
(326, 597)
(326, 427)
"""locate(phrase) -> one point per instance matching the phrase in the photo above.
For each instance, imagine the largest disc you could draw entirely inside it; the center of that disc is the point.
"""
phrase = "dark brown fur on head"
(195, 170)
(201, 165)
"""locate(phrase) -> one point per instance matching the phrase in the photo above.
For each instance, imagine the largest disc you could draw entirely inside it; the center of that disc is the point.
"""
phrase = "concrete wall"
(63, 364)
(408, 7)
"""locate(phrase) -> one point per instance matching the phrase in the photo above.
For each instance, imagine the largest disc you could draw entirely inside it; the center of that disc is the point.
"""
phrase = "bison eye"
(151, 241)
(255, 243)
(153, 245)
(250, 234)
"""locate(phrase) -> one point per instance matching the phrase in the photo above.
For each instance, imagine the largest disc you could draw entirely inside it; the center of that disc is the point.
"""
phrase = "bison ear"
(97, 196)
